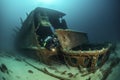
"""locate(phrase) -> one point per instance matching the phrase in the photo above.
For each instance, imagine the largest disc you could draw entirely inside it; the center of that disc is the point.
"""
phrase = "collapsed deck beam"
(46, 72)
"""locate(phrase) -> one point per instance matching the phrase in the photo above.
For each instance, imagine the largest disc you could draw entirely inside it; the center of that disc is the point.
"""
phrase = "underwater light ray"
(45, 1)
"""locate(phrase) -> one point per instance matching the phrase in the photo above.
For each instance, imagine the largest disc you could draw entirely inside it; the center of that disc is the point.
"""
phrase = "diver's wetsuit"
(51, 42)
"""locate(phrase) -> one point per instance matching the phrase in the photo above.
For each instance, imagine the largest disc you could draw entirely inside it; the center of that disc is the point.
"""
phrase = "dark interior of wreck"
(46, 21)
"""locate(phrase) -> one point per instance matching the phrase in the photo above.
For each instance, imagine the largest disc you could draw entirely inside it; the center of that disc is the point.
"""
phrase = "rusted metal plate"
(70, 39)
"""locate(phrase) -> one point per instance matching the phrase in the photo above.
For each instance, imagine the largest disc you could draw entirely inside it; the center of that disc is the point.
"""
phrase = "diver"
(51, 43)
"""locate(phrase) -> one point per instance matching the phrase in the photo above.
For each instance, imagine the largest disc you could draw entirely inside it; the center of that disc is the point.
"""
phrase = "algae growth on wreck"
(59, 43)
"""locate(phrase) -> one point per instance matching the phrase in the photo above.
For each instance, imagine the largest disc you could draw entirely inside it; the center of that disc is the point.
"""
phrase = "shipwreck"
(46, 34)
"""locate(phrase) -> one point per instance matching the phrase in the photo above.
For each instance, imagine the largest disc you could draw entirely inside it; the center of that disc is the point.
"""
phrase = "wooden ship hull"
(37, 27)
